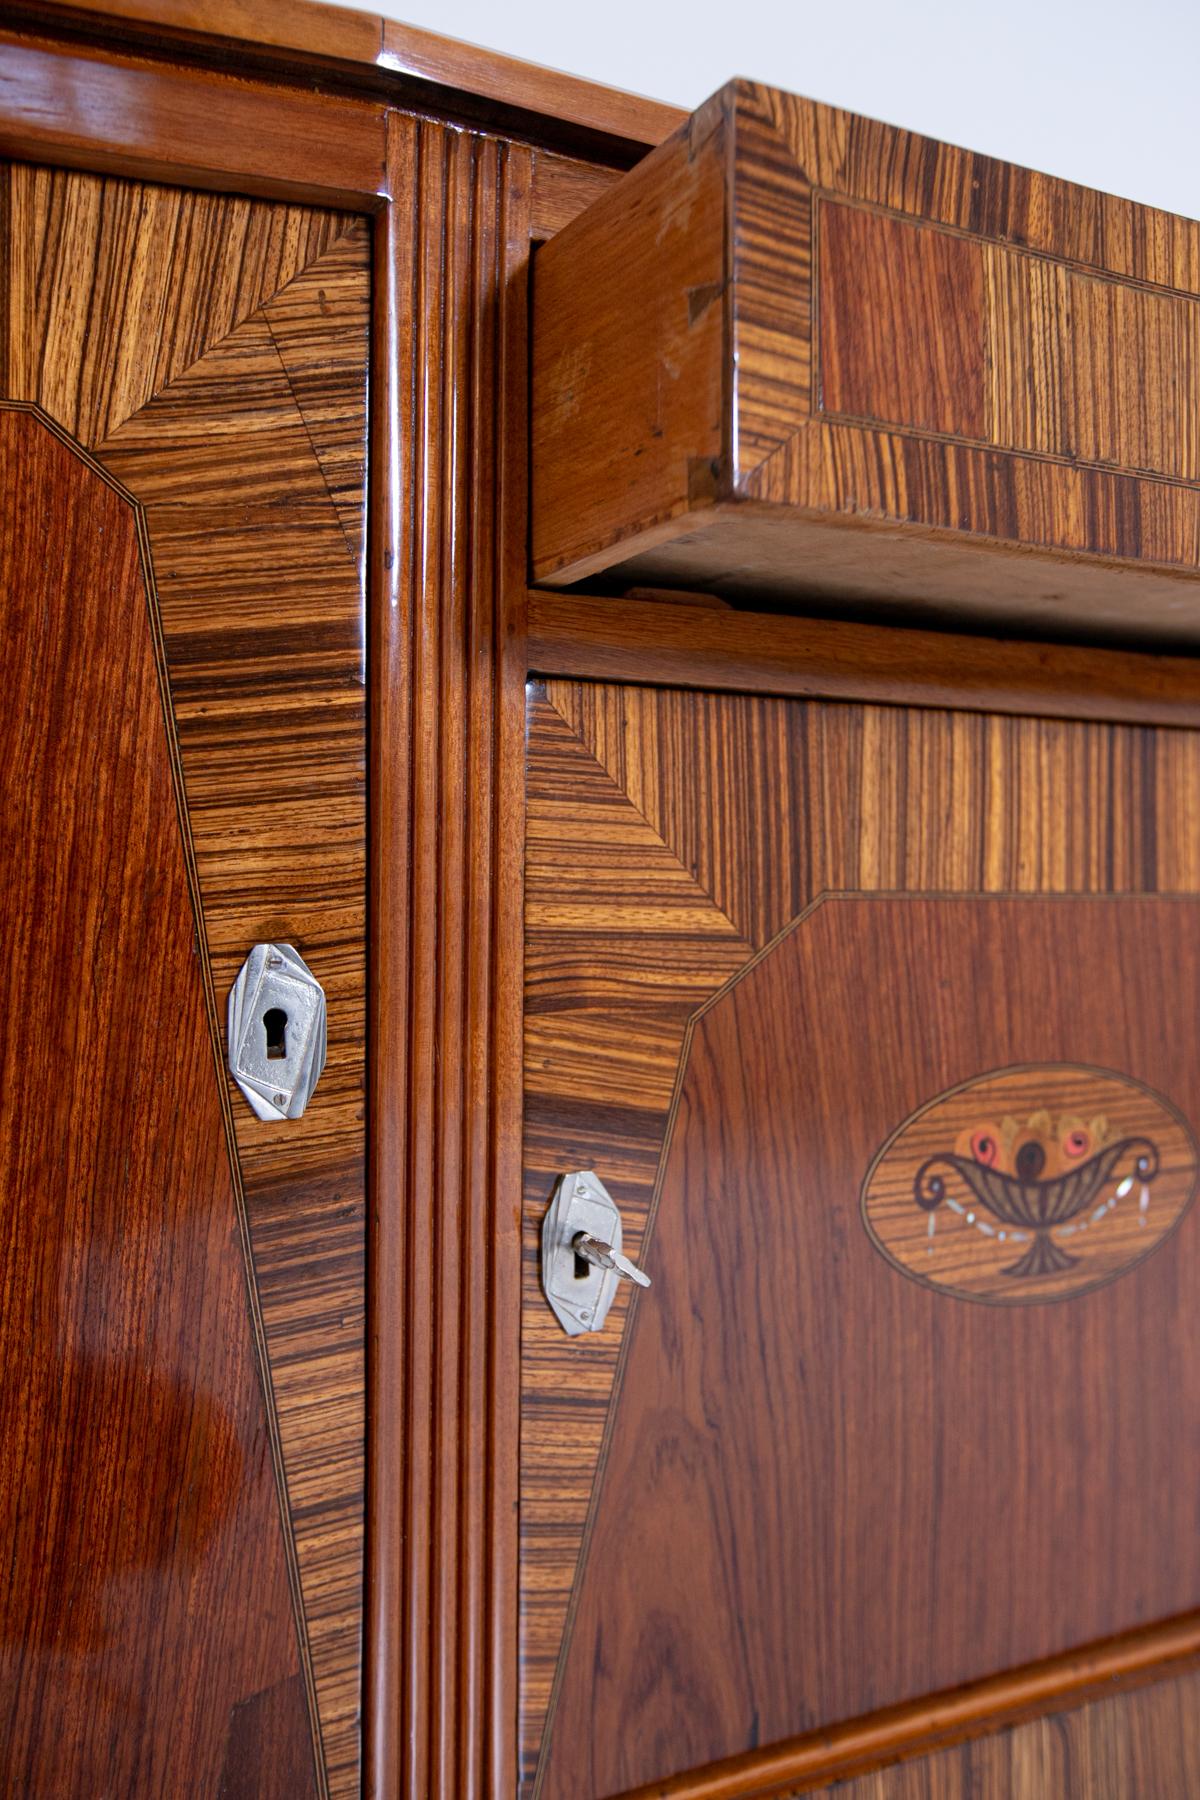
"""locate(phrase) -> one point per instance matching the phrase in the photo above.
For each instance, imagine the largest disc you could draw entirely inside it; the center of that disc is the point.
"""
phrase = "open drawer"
(797, 355)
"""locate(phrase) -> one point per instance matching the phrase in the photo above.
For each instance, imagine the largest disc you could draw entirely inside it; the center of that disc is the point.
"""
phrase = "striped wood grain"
(116, 287)
(212, 352)
(749, 807)
(1053, 319)
(899, 364)
(446, 801)
(622, 944)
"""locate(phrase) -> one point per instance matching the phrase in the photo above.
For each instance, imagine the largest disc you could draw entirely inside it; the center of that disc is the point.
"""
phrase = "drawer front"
(877, 1022)
(804, 355)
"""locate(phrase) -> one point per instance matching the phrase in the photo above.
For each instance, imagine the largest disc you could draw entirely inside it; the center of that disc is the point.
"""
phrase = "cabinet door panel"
(137, 1491)
(206, 354)
(911, 1402)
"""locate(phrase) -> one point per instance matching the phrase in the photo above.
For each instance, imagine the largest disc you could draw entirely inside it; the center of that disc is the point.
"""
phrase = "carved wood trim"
(446, 943)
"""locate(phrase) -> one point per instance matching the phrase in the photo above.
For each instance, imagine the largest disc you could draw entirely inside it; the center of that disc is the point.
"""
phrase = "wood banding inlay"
(943, 332)
(672, 833)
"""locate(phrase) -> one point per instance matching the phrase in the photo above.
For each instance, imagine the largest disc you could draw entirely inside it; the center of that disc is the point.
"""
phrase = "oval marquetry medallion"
(1031, 1183)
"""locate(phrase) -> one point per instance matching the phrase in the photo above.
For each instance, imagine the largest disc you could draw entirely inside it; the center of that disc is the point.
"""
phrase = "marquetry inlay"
(1031, 1183)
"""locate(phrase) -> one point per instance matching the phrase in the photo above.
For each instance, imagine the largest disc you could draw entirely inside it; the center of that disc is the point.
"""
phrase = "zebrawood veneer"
(797, 354)
(254, 318)
(214, 359)
(672, 834)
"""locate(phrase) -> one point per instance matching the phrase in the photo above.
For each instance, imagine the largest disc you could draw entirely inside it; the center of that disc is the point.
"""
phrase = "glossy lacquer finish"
(828, 1487)
(215, 362)
(149, 1639)
(445, 984)
(673, 836)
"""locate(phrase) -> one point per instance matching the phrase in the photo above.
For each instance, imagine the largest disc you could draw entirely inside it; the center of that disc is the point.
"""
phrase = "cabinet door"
(879, 1025)
(182, 436)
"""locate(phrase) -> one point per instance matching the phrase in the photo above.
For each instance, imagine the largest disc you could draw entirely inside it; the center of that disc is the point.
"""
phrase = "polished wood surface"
(923, 360)
(671, 834)
(164, 109)
(456, 1515)
(727, 650)
(311, 27)
(623, 942)
(629, 382)
(1031, 1182)
(1015, 350)
(93, 109)
(562, 187)
(251, 468)
(215, 361)
(148, 1609)
(1133, 1714)
(629, 120)
(1127, 1743)
(826, 1489)
(177, 273)
(445, 946)
(411, 65)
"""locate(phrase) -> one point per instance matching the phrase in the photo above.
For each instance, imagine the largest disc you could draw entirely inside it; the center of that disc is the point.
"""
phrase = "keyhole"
(583, 1267)
(275, 1026)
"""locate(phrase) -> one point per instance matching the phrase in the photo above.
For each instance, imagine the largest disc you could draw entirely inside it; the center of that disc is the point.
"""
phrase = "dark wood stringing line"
(1115, 839)
(179, 787)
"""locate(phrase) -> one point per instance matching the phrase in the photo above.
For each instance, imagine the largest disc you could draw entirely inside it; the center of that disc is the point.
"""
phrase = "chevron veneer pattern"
(670, 834)
(212, 353)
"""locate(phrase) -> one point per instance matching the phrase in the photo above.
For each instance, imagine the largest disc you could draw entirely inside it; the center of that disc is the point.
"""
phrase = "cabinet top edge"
(393, 56)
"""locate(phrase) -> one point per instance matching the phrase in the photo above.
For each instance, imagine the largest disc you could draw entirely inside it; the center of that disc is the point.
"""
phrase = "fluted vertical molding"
(446, 943)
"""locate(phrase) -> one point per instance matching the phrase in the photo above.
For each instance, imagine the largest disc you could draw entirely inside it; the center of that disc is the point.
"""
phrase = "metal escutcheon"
(276, 1031)
(582, 1261)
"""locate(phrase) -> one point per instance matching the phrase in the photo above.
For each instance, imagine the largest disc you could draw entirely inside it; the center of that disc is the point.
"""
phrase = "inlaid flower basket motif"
(1031, 1183)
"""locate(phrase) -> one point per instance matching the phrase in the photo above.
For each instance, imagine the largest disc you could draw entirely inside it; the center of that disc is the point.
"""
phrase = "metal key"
(605, 1257)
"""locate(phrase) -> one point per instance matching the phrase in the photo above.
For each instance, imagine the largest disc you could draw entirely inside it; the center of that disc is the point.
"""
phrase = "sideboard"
(589, 692)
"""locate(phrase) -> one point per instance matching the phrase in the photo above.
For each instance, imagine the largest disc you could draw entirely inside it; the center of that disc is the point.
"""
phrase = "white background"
(1106, 93)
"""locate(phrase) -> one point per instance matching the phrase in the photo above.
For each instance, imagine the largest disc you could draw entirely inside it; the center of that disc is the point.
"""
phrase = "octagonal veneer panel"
(148, 1639)
(829, 1487)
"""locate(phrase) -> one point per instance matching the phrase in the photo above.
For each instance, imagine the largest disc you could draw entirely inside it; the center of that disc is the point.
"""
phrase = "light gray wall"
(1105, 92)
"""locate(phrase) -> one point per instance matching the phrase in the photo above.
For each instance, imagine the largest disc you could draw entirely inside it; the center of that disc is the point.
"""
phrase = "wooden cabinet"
(857, 958)
(803, 357)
